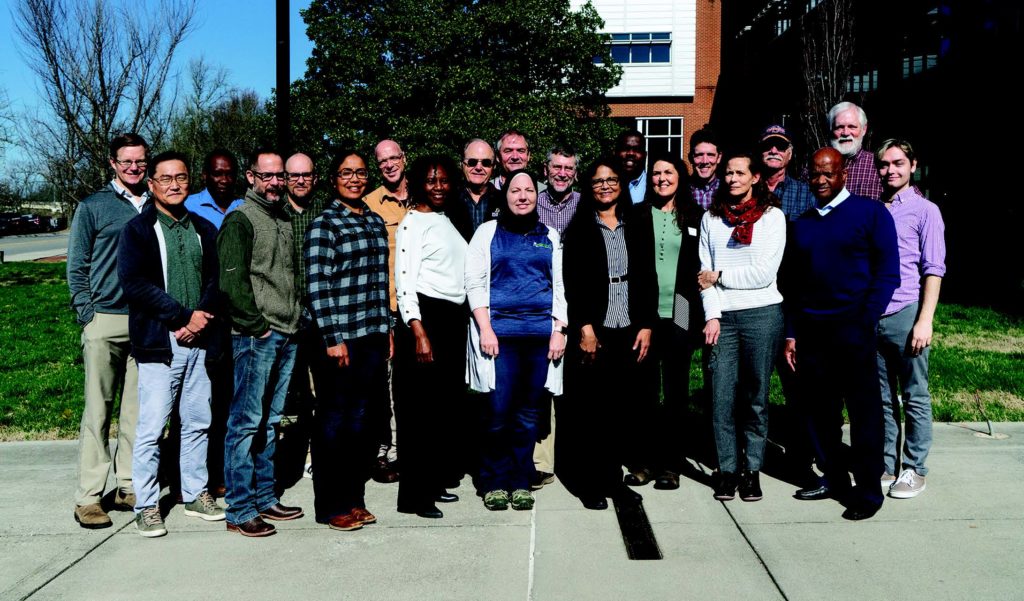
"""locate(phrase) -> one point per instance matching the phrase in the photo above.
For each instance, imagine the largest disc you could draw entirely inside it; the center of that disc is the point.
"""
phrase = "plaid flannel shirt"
(347, 272)
(862, 175)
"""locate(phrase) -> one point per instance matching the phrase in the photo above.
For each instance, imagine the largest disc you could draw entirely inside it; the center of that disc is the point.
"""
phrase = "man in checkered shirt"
(849, 124)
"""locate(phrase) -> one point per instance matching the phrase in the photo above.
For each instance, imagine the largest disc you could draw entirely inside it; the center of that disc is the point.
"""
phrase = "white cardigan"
(480, 367)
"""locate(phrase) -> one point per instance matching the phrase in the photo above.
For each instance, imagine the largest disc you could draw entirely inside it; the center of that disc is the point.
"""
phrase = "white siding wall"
(656, 79)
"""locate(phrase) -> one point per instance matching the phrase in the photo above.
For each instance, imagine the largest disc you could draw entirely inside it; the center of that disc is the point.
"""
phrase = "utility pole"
(284, 106)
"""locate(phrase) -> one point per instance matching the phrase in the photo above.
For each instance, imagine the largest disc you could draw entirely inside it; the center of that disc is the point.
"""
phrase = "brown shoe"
(281, 513)
(124, 501)
(92, 516)
(348, 521)
(667, 481)
(638, 477)
(364, 516)
(255, 527)
(384, 472)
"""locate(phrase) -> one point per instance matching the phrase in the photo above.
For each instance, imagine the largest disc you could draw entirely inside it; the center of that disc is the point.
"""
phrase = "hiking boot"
(149, 523)
(750, 486)
(496, 500)
(92, 516)
(725, 486)
(907, 486)
(204, 507)
(124, 501)
(522, 500)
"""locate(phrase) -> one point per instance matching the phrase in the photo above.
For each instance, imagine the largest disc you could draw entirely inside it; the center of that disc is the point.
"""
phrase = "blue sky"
(238, 35)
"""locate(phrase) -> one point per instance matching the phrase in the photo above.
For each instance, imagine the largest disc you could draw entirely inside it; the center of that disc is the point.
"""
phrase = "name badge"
(692, 231)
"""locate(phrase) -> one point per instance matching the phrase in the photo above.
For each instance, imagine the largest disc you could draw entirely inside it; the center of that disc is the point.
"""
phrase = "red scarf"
(743, 216)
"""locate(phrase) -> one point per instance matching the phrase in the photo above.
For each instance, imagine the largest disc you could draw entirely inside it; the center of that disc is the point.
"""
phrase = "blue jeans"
(741, 370)
(183, 380)
(510, 433)
(901, 371)
(263, 370)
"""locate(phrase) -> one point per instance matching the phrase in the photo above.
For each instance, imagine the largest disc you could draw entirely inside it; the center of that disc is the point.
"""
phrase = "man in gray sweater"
(97, 299)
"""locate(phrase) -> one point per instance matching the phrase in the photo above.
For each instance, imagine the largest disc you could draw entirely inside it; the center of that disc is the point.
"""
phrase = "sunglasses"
(776, 143)
(487, 163)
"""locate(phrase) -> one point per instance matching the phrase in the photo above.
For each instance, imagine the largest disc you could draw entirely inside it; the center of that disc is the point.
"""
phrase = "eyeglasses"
(776, 143)
(294, 177)
(128, 163)
(165, 180)
(611, 182)
(352, 174)
(391, 159)
(487, 163)
(267, 176)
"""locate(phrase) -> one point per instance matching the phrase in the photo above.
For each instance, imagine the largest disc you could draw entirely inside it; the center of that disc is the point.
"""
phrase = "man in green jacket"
(257, 277)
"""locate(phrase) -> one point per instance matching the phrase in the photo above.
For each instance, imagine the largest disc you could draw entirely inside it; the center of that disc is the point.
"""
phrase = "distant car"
(9, 223)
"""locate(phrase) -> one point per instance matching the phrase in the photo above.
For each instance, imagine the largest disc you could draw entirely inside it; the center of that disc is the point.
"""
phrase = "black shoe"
(638, 478)
(861, 512)
(595, 503)
(725, 486)
(622, 494)
(667, 481)
(446, 497)
(750, 486)
(425, 511)
(541, 479)
(814, 494)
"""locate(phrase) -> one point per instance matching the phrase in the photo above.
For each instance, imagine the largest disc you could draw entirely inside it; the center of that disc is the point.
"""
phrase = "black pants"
(427, 400)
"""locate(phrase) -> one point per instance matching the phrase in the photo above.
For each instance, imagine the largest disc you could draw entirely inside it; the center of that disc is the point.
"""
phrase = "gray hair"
(565, 151)
(511, 132)
(842, 107)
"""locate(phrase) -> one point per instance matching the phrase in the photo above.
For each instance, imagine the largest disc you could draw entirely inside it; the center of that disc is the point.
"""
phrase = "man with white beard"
(849, 124)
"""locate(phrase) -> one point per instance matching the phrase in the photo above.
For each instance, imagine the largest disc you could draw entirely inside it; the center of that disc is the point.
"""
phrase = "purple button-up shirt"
(558, 215)
(862, 175)
(919, 233)
(704, 195)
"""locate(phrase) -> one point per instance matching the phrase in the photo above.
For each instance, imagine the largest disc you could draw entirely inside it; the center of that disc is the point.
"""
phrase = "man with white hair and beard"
(849, 124)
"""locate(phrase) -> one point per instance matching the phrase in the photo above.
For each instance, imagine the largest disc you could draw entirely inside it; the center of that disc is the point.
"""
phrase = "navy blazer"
(152, 313)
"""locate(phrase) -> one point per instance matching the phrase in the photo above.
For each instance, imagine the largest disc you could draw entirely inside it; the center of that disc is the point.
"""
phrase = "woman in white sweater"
(430, 343)
(742, 239)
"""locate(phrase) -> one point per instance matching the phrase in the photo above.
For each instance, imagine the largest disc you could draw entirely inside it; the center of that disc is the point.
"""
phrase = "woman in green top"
(675, 220)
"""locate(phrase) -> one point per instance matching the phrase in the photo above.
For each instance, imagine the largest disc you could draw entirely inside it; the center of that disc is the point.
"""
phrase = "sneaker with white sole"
(204, 507)
(307, 472)
(149, 523)
(908, 485)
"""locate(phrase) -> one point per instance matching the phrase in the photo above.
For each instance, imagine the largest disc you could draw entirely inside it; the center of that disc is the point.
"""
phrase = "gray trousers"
(741, 369)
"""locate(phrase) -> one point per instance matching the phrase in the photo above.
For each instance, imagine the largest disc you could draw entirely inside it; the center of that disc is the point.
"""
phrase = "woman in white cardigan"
(517, 337)
(742, 239)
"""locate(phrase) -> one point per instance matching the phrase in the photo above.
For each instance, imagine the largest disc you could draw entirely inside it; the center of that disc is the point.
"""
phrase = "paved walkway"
(962, 539)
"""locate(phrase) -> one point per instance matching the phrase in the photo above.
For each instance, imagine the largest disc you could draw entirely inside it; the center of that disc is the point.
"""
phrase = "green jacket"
(257, 267)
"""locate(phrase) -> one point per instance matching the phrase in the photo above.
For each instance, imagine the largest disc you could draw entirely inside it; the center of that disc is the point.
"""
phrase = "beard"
(847, 146)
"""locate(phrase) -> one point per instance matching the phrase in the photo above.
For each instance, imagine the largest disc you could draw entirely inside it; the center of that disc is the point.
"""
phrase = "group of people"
(479, 302)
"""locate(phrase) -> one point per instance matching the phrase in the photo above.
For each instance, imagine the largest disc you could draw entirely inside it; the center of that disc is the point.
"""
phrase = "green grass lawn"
(976, 350)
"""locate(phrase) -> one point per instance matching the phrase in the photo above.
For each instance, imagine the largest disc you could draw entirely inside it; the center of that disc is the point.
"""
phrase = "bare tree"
(828, 45)
(102, 68)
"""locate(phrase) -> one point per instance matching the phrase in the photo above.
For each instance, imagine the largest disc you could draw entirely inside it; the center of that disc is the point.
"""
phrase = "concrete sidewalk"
(961, 539)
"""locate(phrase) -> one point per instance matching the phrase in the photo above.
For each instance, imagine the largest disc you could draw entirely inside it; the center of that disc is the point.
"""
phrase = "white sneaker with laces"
(908, 485)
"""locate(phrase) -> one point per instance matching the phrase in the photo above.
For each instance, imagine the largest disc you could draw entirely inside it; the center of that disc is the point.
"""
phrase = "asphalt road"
(30, 247)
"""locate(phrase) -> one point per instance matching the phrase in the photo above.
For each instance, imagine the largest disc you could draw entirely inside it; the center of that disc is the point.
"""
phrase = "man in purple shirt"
(905, 329)
(849, 124)
(705, 154)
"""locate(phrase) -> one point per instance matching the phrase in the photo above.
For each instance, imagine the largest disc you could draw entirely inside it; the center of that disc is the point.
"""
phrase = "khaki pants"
(544, 451)
(109, 369)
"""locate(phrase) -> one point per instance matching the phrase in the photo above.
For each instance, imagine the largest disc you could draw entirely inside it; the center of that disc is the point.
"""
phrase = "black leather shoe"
(624, 495)
(426, 511)
(595, 503)
(813, 494)
(667, 481)
(750, 486)
(638, 478)
(446, 497)
(724, 484)
(860, 513)
(281, 513)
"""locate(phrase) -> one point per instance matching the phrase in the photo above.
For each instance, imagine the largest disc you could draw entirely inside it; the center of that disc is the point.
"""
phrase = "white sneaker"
(908, 485)
(307, 472)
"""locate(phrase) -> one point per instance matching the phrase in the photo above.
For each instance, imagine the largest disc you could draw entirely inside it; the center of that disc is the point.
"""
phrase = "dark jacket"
(689, 258)
(585, 271)
(152, 313)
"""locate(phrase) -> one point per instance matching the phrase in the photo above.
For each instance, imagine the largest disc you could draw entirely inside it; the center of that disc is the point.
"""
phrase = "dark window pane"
(620, 37)
(661, 36)
(660, 53)
(641, 36)
(620, 54)
(657, 127)
(657, 146)
(675, 127)
(641, 54)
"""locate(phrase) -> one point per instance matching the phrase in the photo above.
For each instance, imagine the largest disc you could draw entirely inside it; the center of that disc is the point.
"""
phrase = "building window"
(811, 4)
(912, 65)
(863, 82)
(638, 48)
(781, 26)
(664, 134)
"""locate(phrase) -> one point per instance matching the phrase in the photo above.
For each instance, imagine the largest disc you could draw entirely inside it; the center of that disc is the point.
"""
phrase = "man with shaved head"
(840, 271)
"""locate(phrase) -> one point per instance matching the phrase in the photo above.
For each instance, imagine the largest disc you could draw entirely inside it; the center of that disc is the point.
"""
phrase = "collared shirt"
(347, 268)
(862, 176)
(137, 202)
(391, 210)
(184, 259)
(479, 212)
(638, 188)
(557, 215)
(920, 237)
(205, 206)
(667, 242)
(300, 223)
(704, 195)
(617, 315)
(795, 195)
(835, 202)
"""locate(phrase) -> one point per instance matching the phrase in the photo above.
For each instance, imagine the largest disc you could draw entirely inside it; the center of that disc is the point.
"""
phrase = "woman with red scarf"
(742, 238)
